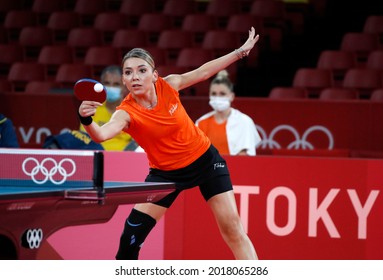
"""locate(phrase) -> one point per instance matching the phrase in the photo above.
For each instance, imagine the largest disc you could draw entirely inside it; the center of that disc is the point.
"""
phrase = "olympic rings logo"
(303, 143)
(34, 237)
(49, 172)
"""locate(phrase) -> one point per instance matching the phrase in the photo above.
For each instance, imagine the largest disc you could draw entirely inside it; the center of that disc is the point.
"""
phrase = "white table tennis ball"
(98, 87)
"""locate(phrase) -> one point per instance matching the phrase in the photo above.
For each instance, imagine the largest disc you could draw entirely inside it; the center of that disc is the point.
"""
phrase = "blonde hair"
(222, 77)
(139, 53)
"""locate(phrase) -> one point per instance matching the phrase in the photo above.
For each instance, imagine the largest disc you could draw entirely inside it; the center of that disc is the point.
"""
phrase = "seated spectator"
(8, 137)
(231, 131)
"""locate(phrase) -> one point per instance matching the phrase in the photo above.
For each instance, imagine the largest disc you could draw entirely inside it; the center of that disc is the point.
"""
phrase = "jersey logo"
(173, 108)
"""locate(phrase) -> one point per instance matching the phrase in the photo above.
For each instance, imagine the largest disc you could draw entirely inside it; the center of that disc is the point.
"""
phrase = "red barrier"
(292, 208)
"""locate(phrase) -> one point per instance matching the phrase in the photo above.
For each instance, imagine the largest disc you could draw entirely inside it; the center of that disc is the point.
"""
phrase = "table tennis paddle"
(89, 89)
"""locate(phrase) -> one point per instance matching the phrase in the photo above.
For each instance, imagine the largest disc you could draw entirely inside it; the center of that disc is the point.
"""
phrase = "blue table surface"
(20, 187)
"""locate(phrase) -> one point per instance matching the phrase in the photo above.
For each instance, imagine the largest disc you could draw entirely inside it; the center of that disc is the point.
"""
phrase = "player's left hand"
(251, 41)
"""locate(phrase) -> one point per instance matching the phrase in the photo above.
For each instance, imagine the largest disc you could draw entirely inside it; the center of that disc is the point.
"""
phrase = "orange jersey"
(166, 133)
(216, 133)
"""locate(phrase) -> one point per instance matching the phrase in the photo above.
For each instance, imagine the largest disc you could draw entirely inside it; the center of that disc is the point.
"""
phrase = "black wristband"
(85, 120)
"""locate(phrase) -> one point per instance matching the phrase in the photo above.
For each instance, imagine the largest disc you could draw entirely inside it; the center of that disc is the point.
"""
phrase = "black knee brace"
(136, 229)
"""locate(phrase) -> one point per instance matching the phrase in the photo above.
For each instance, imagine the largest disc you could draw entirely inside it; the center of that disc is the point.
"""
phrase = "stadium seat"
(374, 25)
(198, 24)
(288, 93)
(109, 22)
(172, 41)
(363, 79)
(360, 43)
(61, 23)
(99, 57)
(273, 13)
(53, 56)
(126, 39)
(192, 58)
(134, 9)
(15, 20)
(43, 9)
(375, 60)
(33, 38)
(88, 9)
(69, 73)
(9, 54)
(21, 73)
(82, 38)
(338, 62)
(177, 10)
(154, 24)
(313, 79)
(221, 41)
(42, 87)
(222, 10)
(377, 95)
(338, 94)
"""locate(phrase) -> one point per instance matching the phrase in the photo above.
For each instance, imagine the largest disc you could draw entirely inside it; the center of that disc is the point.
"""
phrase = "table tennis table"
(30, 212)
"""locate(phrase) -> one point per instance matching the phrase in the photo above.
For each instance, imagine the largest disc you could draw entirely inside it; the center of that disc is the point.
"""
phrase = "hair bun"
(222, 74)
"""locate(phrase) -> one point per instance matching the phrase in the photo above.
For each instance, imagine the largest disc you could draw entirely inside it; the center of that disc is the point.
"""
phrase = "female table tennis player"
(177, 150)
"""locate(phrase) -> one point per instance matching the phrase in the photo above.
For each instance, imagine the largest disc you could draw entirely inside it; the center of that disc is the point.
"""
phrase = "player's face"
(138, 75)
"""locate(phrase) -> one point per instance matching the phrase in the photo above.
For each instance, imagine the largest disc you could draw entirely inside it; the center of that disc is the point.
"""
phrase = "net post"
(98, 175)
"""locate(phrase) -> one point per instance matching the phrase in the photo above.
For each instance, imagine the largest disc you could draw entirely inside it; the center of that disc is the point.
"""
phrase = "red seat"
(43, 9)
(88, 9)
(360, 43)
(33, 38)
(363, 79)
(109, 22)
(313, 79)
(134, 9)
(338, 62)
(374, 25)
(61, 23)
(154, 24)
(53, 56)
(198, 24)
(15, 20)
(42, 87)
(221, 41)
(127, 39)
(273, 13)
(288, 93)
(222, 10)
(377, 95)
(375, 60)
(9, 54)
(172, 41)
(177, 10)
(101, 56)
(338, 94)
(22, 72)
(192, 58)
(69, 73)
(82, 38)
(158, 54)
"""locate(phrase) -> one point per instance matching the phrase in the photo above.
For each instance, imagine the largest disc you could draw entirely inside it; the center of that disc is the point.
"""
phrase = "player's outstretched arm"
(212, 67)
(119, 120)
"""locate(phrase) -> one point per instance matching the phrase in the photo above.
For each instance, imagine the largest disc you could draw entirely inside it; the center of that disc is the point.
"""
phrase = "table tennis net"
(50, 168)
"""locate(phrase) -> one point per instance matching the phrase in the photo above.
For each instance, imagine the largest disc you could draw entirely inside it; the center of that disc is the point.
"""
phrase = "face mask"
(219, 103)
(113, 94)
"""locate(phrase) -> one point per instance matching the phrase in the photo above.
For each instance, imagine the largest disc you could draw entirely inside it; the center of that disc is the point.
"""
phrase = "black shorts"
(209, 172)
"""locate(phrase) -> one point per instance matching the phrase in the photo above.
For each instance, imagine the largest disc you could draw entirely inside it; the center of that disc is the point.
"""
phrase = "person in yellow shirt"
(231, 131)
(177, 150)
(111, 78)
